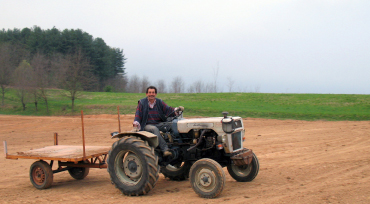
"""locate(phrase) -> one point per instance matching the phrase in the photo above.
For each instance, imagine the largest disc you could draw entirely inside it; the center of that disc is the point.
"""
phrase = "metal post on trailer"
(55, 138)
(83, 134)
(119, 120)
(5, 148)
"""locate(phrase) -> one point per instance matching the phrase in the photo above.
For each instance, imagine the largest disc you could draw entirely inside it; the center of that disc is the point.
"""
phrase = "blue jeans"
(155, 129)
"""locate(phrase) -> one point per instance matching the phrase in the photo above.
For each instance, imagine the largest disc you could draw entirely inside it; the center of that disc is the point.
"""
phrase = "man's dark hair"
(151, 87)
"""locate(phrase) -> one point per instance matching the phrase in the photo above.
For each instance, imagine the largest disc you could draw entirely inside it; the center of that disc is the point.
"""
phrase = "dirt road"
(300, 162)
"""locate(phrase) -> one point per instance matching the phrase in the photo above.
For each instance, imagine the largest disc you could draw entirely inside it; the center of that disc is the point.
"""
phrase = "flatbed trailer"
(77, 160)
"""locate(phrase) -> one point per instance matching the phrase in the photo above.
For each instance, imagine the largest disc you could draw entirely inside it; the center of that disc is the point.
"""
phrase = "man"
(150, 113)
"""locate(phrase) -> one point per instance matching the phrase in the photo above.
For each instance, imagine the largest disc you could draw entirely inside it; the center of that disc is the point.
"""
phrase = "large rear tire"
(177, 172)
(244, 173)
(207, 178)
(41, 175)
(133, 166)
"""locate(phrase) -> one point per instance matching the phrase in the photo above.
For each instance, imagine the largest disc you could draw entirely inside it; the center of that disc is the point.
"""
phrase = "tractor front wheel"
(207, 178)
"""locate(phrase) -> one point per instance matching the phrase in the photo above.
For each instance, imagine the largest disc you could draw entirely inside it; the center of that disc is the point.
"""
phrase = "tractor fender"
(144, 135)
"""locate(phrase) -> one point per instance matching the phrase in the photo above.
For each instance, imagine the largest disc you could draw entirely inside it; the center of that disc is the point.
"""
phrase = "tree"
(230, 83)
(75, 74)
(215, 75)
(177, 85)
(5, 69)
(161, 86)
(22, 79)
(41, 78)
(10, 57)
(144, 84)
(133, 85)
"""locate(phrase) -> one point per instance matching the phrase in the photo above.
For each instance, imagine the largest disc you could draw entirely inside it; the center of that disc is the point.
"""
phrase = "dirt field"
(300, 162)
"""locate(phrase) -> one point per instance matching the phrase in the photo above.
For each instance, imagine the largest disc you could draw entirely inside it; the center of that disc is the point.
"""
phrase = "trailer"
(77, 160)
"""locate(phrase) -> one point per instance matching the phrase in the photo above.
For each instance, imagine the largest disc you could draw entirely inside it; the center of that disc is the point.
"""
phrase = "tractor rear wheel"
(133, 166)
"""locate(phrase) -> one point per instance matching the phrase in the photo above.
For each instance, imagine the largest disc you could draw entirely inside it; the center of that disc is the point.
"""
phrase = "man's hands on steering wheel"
(178, 109)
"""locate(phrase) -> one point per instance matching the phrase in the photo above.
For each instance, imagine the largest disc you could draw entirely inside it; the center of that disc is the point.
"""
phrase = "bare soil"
(300, 162)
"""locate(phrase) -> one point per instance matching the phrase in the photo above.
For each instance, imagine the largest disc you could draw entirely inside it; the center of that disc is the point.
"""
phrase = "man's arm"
(168, 109)
(138, 115)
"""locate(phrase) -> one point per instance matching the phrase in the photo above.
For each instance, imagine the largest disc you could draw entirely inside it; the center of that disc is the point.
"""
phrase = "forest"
(33, 60)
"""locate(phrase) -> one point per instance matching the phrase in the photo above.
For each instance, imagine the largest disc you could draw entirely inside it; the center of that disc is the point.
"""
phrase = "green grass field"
(256, 105)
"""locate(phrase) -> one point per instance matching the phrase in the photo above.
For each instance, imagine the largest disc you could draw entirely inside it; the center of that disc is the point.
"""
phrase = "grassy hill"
(257, 105)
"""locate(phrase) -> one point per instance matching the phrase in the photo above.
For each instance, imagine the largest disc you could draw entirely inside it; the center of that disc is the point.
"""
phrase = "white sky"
(302, 46)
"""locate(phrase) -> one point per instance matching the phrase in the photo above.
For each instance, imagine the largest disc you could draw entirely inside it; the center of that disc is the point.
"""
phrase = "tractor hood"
(214, 123)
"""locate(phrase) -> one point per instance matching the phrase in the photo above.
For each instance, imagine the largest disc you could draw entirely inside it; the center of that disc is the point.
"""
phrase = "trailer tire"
(79, 173)
(41, 175)
(133, 166)
(177, 172)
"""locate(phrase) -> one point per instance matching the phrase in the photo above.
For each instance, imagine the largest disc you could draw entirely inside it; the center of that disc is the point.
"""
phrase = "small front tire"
(207, 178)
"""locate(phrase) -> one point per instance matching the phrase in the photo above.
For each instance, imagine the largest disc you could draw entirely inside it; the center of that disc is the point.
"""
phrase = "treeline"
(33, 60)
(106, 62)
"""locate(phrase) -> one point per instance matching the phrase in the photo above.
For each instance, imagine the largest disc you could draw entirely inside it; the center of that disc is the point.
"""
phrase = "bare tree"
(133, 85)
(257, 88)
(230, 83)
(22, 79)
(75, 75)
(199, 86)
(119, 83)
(5, 69)
(161, 86)
(144, 84)
(177, 85)
(10, 57)
(40, 65)
(215, 75)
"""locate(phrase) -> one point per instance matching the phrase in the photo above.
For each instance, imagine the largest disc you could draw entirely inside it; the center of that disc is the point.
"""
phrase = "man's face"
(151, 94)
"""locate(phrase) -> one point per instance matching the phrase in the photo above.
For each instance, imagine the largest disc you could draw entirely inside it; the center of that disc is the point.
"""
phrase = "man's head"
(151, 93)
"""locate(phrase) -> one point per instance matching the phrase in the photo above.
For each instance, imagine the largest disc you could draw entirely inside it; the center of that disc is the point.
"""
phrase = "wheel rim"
(205, 180)
(175, 167)
(77, 171)
(128, 167)
(38, 175)
(243, 170)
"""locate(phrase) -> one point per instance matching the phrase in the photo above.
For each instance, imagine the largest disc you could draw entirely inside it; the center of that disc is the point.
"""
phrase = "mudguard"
(144, 135)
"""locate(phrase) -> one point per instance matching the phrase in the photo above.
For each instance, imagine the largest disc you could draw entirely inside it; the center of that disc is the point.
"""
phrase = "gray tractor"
(200, 148)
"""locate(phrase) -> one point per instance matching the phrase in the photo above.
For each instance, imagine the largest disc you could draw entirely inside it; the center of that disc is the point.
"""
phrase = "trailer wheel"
(79, 173)
(133, 166)
(244, 173)
(41, 175)
(207, 178)
(177, 172)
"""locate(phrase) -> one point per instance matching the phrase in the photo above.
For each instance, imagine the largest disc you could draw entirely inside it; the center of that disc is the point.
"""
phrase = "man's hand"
(135, 129)
(180, 108)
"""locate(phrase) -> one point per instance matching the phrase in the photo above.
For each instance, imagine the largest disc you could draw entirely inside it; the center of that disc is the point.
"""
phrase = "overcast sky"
(303, 46)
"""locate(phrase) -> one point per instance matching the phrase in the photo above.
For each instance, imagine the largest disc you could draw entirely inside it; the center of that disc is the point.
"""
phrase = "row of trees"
(106, 62)
(136, 84)
(34, 60)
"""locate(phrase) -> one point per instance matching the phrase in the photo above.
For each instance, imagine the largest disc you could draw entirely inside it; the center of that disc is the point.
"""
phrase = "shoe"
(167, 153)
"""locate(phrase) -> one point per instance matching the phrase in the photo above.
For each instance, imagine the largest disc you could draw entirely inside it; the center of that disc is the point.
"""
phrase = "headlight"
(228, 125)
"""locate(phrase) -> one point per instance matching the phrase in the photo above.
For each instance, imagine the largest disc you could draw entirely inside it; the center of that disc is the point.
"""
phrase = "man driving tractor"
(150, 114)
